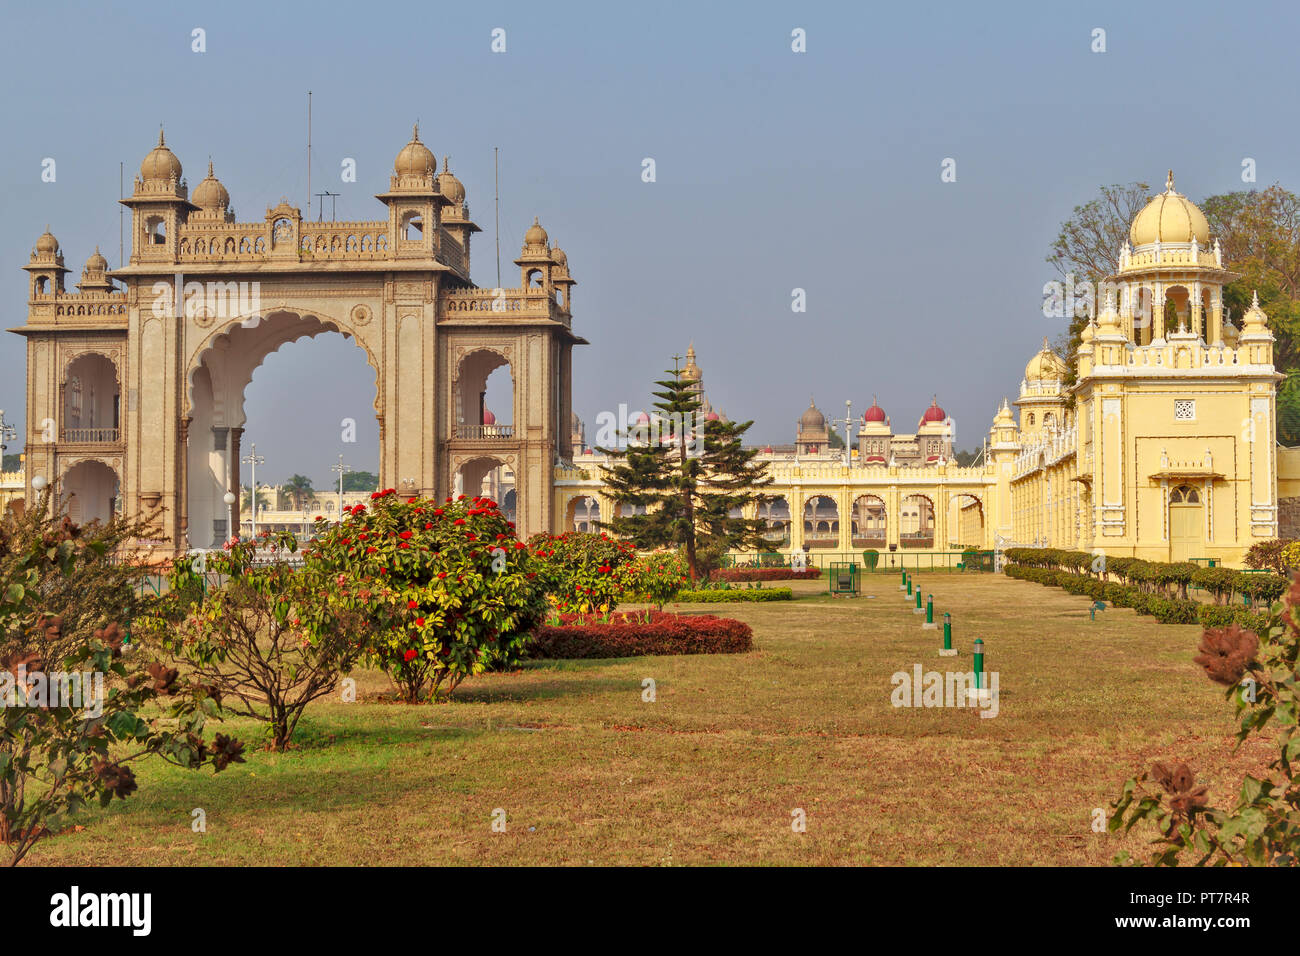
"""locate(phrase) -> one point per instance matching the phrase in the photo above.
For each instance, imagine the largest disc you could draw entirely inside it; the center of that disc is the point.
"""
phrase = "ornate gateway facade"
(135, 394)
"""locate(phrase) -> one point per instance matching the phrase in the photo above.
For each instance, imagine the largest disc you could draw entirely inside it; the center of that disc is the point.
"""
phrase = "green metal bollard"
(948, 650)
(909, 587)
(979, 663)
(929, 624)
(918, 609)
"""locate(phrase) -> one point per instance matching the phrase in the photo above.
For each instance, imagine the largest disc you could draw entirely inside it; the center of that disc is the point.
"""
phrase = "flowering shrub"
(582, 571)
(632, 635)
(764, 574)
(1262, 828)
(657, 577)
(446, 587)
(1268, 554)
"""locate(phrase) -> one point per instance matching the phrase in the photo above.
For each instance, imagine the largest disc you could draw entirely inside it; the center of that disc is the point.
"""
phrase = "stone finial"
(1169, 183)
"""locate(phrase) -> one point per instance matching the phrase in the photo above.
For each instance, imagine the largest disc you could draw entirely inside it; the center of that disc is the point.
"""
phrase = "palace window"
(1185, 410)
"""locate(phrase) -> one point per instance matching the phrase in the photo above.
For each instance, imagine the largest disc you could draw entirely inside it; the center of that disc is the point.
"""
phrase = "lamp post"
(253, 459)
(342, 469)
(7, 433)
(230, 498)
(847, 422)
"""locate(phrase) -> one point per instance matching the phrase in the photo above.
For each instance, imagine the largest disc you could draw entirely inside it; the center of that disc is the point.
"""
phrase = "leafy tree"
(691, 476)
(263, 503)
(360, 481)
(299, 490)
(270, 640)
(967, 458)
(1087, 248)
(67, 602)
(12, 463)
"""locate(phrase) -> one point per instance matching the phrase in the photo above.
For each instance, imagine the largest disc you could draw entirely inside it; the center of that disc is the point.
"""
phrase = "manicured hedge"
(1214, 615)
(627, 636)
(763, 574)
(1167, 610)
(1155, 577)
(733, 595)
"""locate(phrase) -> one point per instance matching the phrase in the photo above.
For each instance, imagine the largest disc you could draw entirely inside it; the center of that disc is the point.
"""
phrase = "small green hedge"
(633, 635)
(763, 574)
(736, 594)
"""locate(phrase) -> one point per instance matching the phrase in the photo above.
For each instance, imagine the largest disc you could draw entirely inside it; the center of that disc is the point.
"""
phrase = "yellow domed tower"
(1042, 401)
(1175, 407)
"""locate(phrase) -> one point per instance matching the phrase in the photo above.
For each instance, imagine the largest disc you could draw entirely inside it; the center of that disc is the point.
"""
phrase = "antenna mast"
(496, 167)
(309, 154)
(120, 210)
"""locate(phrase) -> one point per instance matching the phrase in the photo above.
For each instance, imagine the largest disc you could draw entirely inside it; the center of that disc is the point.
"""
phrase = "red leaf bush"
(632, 635)
(764, 574)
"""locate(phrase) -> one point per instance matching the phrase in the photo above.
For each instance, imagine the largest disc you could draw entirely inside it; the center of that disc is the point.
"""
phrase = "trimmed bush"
(738, 594)
(631, 635)
(763, 574)
(1214, 615)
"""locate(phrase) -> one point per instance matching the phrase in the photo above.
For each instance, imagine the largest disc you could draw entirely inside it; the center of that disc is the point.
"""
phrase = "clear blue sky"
(775, 170)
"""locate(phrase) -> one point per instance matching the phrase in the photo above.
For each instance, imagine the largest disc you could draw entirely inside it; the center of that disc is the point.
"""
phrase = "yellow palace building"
(1163, 448)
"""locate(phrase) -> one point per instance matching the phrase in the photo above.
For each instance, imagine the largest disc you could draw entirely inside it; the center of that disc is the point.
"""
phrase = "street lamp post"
(253, 459)
(847, 422)
(7, 433)
(342, 469)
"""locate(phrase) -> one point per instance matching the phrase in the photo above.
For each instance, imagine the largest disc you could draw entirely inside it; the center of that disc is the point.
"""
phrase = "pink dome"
(711, 417)
(641, 419)
(874, 414)
(488, 417)
(934, 413)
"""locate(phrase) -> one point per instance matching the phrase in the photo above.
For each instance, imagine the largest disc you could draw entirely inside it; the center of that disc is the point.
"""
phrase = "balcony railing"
(484, 432)
(91, 435)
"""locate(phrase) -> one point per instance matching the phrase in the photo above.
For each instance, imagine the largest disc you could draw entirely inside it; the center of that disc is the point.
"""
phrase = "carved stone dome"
(1169, 217)
(210, 194)
(161, 165)
(415, 159)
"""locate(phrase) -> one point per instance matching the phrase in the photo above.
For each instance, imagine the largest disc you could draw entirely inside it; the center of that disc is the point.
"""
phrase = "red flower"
(409, 655)
(404, 535)
(604, 569)
(442, 574)
(402, 544)
(428, 525)
(437, 511)
(371, 550)
(470, 536)
(419, 622)
(459, 521)
(412, 605)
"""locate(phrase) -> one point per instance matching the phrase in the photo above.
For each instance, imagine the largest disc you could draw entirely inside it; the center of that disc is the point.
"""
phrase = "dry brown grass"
(709, 773)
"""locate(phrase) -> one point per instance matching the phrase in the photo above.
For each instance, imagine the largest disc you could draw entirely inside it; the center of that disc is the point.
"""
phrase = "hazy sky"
(775, 171)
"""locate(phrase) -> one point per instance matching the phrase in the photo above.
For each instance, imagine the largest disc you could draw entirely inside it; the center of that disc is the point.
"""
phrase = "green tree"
(263, 503)
(692, 476)
(299, 490)
(1086, 249)
(12, 463)
(360, 481)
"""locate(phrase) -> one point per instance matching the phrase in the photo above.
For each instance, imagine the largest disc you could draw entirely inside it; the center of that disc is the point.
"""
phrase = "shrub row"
(763, 574)
(1167, 610)
(736, 594)
(1156, 577)
(630, 635)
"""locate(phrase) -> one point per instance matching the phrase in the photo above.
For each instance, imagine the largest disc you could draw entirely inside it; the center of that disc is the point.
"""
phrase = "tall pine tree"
(689, 475)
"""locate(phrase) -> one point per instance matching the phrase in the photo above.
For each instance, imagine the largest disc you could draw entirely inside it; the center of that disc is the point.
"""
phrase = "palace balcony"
(484, 432)
(91, 436)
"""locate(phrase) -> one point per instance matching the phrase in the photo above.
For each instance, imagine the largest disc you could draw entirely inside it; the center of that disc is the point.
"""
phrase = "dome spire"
(1169, 183)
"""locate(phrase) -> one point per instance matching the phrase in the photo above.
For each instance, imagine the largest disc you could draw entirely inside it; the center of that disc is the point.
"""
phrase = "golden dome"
(210, 194)
(535, 235)
(415, 159)
(691, 372)
(560, 257)
(1169, 217)
(46, 244)
(96, 263)
(1046, 366)
(161, 165)
(449, 185)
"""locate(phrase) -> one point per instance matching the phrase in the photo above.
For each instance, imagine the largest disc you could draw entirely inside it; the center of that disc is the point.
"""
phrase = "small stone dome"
(934, 413)
(46, 244)
(535, 235)
(558, 254)
(874, 414)
(812, 419)
(1046, 366)
(449, 185)
(1169, 217)
(210, 194)
(161, 165)
(96, 263)
(415, 159)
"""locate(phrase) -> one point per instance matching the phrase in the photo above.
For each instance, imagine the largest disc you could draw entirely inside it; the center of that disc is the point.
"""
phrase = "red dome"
(711, 417)
(871, 458)
(488, 417)
(874, 414)
(934, 413)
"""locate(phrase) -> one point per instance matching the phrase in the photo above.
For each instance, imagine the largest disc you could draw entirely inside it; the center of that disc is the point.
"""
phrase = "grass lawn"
(709, 773)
